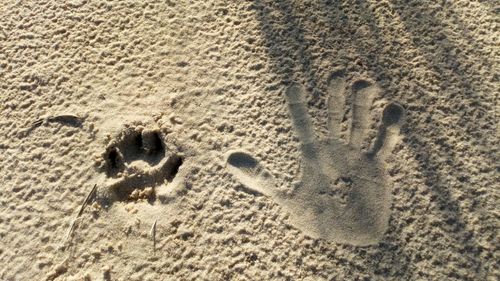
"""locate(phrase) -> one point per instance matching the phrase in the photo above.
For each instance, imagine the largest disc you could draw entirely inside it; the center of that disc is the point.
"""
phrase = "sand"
(249, 140)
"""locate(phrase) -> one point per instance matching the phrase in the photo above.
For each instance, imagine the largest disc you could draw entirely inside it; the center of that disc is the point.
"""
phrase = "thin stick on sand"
(89, 198)
(68, 119)
(153, 235)
(64, 118)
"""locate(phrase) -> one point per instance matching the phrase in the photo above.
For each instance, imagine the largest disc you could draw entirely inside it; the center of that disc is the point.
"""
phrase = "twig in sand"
(65, 118)
(153, 235)
(68, 234)
(36, 123)
(69, 119)
(89, 198)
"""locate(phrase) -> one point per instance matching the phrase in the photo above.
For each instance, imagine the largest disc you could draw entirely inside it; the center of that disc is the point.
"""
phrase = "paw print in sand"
(343, 195)
(137, 160)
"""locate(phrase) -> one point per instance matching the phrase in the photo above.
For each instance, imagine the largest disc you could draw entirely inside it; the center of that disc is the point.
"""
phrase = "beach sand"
(249, 140)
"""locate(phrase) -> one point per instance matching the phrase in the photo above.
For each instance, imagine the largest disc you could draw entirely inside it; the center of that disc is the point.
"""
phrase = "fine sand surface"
(249, 140)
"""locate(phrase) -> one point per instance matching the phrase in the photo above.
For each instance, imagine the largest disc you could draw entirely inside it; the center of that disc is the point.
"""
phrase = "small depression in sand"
(136, 161)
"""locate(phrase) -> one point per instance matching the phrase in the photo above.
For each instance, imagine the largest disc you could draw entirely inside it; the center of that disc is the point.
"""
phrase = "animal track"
(343, 195)
(136, 161)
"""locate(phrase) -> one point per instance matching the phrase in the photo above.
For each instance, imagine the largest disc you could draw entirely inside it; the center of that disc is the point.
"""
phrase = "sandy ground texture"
(249, 140)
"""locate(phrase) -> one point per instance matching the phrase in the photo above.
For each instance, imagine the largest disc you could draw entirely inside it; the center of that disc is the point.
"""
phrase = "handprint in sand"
(343, 194)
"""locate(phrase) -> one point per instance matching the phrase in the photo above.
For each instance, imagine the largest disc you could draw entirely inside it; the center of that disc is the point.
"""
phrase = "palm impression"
(343, 194)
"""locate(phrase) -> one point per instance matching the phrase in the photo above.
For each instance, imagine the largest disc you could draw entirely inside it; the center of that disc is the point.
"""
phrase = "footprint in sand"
(136, 161)
(343, 195)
